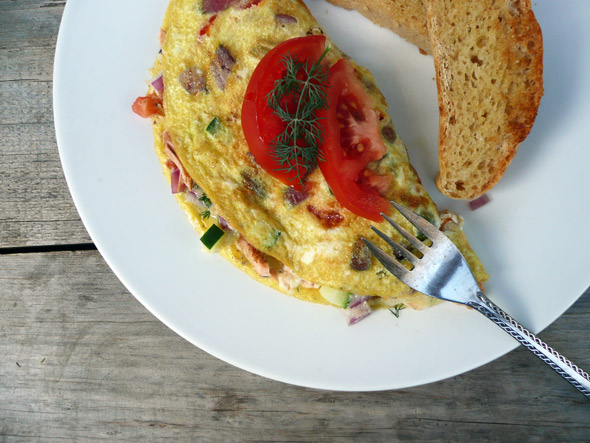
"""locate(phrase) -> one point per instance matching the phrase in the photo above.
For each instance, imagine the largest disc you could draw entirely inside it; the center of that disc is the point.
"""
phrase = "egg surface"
(209, 52)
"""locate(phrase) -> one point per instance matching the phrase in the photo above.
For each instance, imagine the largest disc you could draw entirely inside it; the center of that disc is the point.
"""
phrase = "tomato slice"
(352, 140)
(259, 122)
(352, 136)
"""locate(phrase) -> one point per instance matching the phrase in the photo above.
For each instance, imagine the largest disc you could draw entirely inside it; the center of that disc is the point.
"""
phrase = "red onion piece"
(158, 83)
(294, 196)
(175, 180)
(356, 300)
(357, 310)
(284, 19)
(222, 222)
(479, 202)
(215, 5)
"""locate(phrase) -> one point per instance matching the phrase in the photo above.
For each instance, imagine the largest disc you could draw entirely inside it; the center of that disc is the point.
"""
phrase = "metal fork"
(442, 272)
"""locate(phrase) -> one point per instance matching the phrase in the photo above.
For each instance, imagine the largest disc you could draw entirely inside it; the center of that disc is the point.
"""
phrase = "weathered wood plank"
(35, 204)
(93, 363)
(31, 63)
(26, 23)
(81, 358)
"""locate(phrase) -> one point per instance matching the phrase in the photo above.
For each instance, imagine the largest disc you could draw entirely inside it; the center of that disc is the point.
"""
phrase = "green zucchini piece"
(214, 126)
(212, 236)
(335, 296)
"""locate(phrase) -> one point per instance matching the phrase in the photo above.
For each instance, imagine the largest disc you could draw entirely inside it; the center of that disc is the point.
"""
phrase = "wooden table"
(81, 358)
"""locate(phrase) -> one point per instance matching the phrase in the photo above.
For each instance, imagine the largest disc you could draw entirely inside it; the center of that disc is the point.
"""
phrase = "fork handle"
(568, 370)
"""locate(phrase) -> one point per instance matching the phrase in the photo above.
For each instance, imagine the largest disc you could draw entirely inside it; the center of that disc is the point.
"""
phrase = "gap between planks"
(48, 248)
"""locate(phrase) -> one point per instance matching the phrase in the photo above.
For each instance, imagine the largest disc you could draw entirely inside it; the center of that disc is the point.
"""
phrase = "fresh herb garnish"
(206, 201)
(395, 310)
(273, 238)
(296, 99)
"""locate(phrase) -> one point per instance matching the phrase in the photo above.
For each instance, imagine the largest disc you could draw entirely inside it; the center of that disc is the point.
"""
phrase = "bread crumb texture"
(489, 62)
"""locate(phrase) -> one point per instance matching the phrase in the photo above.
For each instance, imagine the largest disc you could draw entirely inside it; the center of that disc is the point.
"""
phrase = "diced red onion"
(356, 300)
(158, 83)
(222, 222)
(294, 196)
(284, 19)
(216, 5)
(175, 180)
(357, 312)
(479, 202)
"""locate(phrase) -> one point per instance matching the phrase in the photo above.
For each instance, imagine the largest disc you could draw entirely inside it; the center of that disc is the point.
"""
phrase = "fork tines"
(394, 266)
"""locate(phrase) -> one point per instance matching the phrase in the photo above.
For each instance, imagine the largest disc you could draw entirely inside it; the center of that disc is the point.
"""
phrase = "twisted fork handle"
(573, 374)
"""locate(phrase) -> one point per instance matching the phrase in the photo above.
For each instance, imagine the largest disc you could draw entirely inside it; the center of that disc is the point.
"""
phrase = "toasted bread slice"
(489, 64)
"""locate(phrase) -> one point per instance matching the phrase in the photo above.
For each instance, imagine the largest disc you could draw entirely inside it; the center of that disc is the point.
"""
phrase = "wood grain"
(82, 358)
(35, 204)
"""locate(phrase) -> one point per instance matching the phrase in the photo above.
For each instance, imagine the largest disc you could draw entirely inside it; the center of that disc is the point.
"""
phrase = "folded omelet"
(293, 242)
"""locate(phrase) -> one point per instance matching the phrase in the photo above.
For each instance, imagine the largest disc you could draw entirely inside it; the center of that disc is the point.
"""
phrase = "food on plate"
(280, 150)
(488, 57)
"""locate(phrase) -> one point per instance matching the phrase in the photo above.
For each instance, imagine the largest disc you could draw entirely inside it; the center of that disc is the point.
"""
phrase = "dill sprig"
(206, 200)
(296, 99)
(396, 309)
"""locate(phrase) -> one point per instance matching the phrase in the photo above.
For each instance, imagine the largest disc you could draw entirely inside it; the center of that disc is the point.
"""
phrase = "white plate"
(531, 237)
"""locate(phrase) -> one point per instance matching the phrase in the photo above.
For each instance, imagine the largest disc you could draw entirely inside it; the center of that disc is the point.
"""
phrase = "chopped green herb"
(381, 273)
(43, 360)
(206, 214)
(212, 236)
(273, 239)
(214, 126)
(206, 201)
(395, 310)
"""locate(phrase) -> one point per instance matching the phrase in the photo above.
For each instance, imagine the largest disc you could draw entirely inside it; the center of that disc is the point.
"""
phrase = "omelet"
(302, 244)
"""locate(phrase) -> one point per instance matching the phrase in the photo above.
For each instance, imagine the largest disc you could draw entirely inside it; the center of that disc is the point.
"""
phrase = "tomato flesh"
(148, 106)
(259, 122)
(353, 140)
